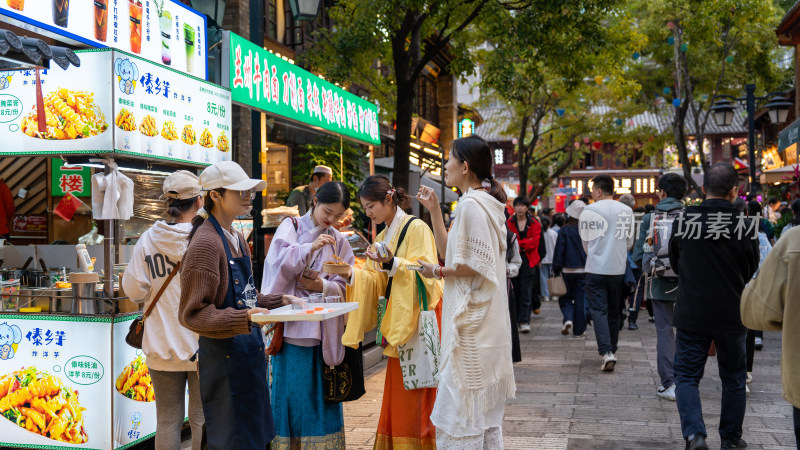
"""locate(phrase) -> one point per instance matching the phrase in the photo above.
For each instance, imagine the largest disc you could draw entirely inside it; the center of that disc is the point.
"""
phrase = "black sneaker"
(651, 319)
(733, 443)
(632, 325)
(696, 442)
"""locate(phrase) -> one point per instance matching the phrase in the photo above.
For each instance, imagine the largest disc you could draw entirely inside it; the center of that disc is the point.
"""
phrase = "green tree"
(699, 49)
(564, 87)
(385, 45)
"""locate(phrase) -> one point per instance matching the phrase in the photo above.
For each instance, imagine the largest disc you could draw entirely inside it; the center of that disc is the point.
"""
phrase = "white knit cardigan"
(476, 331)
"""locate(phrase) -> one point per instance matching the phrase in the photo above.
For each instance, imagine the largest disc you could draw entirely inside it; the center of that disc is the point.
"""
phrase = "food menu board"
(163, 31)
(163, 114)
(134, 399)
(263, 80)
(116, 102)
(55, 380)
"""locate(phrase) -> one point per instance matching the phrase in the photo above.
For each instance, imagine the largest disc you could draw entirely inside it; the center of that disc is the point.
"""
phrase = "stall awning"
(780, 175)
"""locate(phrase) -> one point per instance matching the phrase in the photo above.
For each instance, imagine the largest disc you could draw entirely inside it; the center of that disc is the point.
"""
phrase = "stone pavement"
(564, 401)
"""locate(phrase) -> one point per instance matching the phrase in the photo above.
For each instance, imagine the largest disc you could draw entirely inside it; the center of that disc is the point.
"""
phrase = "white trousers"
(491, 439)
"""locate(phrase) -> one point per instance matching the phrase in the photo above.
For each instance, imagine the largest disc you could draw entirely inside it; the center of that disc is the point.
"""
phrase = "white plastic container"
(84, 259)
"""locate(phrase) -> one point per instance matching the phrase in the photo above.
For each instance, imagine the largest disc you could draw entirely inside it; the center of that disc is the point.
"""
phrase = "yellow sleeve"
(402, 313)
(368, 285)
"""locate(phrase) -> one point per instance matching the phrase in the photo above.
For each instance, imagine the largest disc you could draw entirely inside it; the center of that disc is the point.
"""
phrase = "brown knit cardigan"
(204, 284)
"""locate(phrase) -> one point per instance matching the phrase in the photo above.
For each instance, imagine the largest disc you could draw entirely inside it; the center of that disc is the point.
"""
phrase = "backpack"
(656, 248)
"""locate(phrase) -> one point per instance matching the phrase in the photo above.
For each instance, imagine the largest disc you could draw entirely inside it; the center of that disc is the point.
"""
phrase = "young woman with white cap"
(218, 297)
(168, 346)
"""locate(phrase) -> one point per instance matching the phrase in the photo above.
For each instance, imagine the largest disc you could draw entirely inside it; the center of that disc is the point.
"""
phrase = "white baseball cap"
(575, 209)
(229, 175)
(181, 185)
(322, 170)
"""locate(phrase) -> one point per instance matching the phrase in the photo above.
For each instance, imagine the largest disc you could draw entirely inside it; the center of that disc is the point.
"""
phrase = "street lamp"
(723, 111)
(304, 9)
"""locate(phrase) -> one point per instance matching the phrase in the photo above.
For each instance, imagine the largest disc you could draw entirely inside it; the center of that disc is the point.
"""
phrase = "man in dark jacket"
(531, 248)
(714, 251)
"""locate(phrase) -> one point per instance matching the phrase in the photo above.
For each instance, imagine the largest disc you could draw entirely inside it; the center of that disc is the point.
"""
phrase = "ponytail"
(176, 207)
(202, 215)
(496, 190)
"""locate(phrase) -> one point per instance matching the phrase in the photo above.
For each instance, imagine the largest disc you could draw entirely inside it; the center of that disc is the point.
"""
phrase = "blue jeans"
(604, 294)
(691, 353)
(544, 274)
(573, 304)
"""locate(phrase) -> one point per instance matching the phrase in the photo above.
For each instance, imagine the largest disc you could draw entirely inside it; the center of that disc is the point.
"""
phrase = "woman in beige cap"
(218, 299)
(168, 346)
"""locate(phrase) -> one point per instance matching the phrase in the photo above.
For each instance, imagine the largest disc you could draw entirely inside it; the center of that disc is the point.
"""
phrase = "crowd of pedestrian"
(484, 279)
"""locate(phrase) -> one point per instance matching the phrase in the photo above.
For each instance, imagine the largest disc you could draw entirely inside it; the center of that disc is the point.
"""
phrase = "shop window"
(599, 160)
(271, 19)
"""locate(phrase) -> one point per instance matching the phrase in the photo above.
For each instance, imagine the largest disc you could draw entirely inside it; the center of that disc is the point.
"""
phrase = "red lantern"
(597, 145)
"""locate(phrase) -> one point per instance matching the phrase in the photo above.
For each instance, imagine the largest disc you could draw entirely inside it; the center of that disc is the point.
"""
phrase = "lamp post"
(304, 9)
(723, 111)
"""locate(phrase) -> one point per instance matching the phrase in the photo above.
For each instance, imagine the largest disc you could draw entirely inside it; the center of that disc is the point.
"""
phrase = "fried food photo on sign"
(148, 126)
(168, 131)
(68, 115)
(222, 143)
(125, 120)
(134, 381)
(206, 140)
(40, 403)
(188, 136)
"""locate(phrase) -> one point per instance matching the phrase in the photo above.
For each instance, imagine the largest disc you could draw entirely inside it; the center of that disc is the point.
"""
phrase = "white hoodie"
(167, 345)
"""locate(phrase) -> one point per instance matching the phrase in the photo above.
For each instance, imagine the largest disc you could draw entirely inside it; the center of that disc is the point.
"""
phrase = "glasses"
(247, 195)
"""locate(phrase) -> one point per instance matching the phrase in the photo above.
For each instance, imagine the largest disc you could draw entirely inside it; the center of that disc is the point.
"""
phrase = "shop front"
(120, 110)
(642, 184)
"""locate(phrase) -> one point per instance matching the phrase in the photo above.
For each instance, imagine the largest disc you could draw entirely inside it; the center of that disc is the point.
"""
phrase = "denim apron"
(233, 372)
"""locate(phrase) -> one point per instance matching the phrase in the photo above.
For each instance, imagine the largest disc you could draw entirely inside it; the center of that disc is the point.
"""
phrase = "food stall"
(115, 109)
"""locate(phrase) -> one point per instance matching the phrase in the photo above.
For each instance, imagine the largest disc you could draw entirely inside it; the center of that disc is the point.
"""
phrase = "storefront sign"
(74, 179)
(165, 31)
(117, 102)
(261, 80)
(30, 224)
(163, 114)
(622, 185)
(72, 356)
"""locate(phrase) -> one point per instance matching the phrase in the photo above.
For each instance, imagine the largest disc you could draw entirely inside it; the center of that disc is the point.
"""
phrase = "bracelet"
(441, 273)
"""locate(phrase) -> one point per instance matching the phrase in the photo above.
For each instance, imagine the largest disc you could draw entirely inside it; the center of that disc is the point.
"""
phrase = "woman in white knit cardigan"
(477, 375)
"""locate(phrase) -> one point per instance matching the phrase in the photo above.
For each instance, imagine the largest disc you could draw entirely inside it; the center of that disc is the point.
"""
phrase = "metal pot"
(43, 278)
(13, 274)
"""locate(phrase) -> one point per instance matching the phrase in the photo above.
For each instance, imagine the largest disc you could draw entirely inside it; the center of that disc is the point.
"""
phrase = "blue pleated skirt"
(303, 419)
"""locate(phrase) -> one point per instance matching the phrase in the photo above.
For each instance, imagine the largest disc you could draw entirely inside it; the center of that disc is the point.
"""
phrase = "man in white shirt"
(606, 228)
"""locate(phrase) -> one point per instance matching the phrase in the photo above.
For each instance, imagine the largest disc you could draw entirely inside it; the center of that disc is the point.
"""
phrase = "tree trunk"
(402, 136)
(683, 152)
(522, 159)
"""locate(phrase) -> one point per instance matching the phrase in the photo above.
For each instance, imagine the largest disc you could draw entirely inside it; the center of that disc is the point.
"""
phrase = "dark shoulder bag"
(345, 382)
(136, 330)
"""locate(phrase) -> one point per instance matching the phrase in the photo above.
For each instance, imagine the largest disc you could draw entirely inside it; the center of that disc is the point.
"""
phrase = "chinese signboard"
(165, 31)
(646, 185)
(264, 81)
(70, 355)
(30, 224)
(116, 102)
(74, 179)
(163, 114)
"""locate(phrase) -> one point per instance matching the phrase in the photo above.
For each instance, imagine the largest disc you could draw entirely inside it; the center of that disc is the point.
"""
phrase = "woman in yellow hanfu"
(405, 415)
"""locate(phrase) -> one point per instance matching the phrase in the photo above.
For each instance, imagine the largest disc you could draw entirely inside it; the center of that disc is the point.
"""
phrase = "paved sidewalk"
(564, 401)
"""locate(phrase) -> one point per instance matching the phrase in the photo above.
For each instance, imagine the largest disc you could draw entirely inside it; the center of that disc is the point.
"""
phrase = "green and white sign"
(74, 179)
(261, 80)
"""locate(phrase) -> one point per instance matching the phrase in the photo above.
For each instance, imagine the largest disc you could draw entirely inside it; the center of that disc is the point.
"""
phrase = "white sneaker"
(553, 298)
(580, 336)
(567, 326)
(525, 328)
(667, 394)
(609, 361)
(746, 390)
(749, 377)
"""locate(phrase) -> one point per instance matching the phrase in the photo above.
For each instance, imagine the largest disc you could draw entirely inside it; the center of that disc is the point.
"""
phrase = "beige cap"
(322, 169)
(575, 209)
(181, 185)
(229, 175)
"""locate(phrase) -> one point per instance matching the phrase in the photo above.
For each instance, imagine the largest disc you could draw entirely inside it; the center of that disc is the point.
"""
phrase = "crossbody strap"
(399, 242)
(161, 291)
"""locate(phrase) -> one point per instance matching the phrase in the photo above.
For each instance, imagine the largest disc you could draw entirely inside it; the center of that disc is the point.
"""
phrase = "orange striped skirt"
(405, 422)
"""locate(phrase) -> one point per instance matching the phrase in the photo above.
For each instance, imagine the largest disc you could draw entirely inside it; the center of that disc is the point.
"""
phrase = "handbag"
(419, 357)
(345, 382)
(136, 330)
(275, 340)
(556, 286)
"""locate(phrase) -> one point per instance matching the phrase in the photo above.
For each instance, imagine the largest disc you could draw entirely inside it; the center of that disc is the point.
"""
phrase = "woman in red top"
(531, 249)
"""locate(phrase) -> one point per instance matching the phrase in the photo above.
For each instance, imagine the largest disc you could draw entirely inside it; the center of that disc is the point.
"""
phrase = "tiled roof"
(496, 121)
